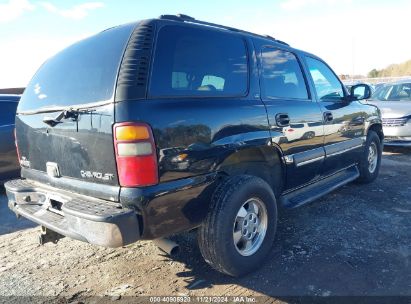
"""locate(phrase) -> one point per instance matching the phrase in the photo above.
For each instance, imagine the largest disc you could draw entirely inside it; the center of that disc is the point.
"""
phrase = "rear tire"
(239, 230)
(370, 161)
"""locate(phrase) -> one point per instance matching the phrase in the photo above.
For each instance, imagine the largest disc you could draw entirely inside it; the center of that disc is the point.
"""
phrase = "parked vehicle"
(310, 130)
(350, 84)
(378, 85)
(303, 130)
(394, 101)
(9, 166)
(96, 119)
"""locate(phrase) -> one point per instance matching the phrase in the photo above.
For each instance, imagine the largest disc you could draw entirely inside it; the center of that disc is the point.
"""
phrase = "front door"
(343, 120)
(295, 118)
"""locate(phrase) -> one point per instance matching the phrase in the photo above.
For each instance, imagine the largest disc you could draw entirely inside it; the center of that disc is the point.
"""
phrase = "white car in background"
(394, 101)
(305, 130)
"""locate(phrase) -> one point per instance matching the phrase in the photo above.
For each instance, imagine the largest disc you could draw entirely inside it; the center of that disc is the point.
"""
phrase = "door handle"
(282, 119)
(328, 116)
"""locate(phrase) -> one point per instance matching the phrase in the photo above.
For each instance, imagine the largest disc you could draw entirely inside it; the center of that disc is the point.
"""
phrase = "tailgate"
(65, 117)
(77, 155)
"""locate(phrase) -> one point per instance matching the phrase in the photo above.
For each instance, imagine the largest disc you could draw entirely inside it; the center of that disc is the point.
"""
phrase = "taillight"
(135, 154)
(290, 130)
(17, 147)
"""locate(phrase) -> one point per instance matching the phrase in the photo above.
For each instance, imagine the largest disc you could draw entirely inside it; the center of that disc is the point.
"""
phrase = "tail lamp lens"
(135, 154)
(132, 132)
(134, 149)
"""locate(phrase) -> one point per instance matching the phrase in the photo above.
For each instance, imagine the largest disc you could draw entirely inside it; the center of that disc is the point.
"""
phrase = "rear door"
(74, 152)
(344, 120)
(294, 116)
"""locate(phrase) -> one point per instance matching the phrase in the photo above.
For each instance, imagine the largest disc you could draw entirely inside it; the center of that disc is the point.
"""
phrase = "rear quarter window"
(197, 62)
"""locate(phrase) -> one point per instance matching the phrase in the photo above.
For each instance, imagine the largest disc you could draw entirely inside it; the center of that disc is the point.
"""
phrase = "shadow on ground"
(398, 151)
(8, 220)
(355, 241)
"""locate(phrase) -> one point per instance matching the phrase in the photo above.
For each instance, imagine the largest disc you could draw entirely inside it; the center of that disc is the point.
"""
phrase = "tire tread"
(210, 242)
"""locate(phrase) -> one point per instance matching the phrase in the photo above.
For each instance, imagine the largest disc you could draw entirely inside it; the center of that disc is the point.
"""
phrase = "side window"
(282, 76)
(179, 80)
(326, 84)
(297, 126)
(196, 62)
(315, 124)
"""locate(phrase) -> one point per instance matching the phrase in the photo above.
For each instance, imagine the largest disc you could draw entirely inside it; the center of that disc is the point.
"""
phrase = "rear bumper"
(83, 218)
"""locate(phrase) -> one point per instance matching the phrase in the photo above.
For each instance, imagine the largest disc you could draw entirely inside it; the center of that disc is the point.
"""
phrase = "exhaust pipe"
(166, 245)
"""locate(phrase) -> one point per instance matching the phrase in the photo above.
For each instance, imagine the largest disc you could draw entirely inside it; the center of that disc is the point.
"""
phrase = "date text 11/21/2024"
(203, 299)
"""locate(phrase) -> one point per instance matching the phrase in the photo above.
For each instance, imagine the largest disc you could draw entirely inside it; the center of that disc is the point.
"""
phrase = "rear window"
(195, 62)
(83, 73)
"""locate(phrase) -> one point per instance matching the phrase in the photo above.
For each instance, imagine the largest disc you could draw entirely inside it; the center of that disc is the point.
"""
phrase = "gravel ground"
(355, 241)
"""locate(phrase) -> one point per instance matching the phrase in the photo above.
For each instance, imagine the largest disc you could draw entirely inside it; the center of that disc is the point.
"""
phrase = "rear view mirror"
(360, 92)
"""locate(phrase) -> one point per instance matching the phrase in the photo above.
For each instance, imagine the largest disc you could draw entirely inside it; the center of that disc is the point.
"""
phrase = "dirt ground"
(355, 241)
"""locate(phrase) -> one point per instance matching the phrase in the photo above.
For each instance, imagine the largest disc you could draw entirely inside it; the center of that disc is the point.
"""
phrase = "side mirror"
(360, 92)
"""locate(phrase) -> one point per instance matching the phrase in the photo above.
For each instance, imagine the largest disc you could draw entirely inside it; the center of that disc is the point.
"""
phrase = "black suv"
(165, 125)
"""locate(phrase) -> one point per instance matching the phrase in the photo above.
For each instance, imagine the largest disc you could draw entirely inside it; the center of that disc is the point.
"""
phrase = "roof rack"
(186, 18)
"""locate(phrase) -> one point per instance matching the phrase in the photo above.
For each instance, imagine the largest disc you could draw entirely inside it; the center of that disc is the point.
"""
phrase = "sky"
(352, 36)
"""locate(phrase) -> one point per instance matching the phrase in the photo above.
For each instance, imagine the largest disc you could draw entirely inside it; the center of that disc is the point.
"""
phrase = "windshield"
(393, 92)
(83, 73)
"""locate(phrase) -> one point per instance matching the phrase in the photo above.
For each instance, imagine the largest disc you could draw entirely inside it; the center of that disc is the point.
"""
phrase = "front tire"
(239, 230)
(370, 161)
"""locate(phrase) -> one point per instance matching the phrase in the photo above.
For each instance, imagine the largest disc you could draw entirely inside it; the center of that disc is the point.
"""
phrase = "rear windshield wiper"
(76, 107)
(72, 114)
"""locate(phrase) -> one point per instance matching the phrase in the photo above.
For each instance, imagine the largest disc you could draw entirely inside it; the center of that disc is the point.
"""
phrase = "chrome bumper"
(82, 218)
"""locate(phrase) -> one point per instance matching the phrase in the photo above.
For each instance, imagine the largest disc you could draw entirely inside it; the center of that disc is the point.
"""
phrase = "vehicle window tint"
(327, 85)
(400, 92)
(85, 72)
(215, 81)
(179, 80)
(382, 92)
(297, 126)
(315, 124)
(197, 62)
(282, 76)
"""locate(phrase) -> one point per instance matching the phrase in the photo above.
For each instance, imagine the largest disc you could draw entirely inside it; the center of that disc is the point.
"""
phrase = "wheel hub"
(250, 227)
